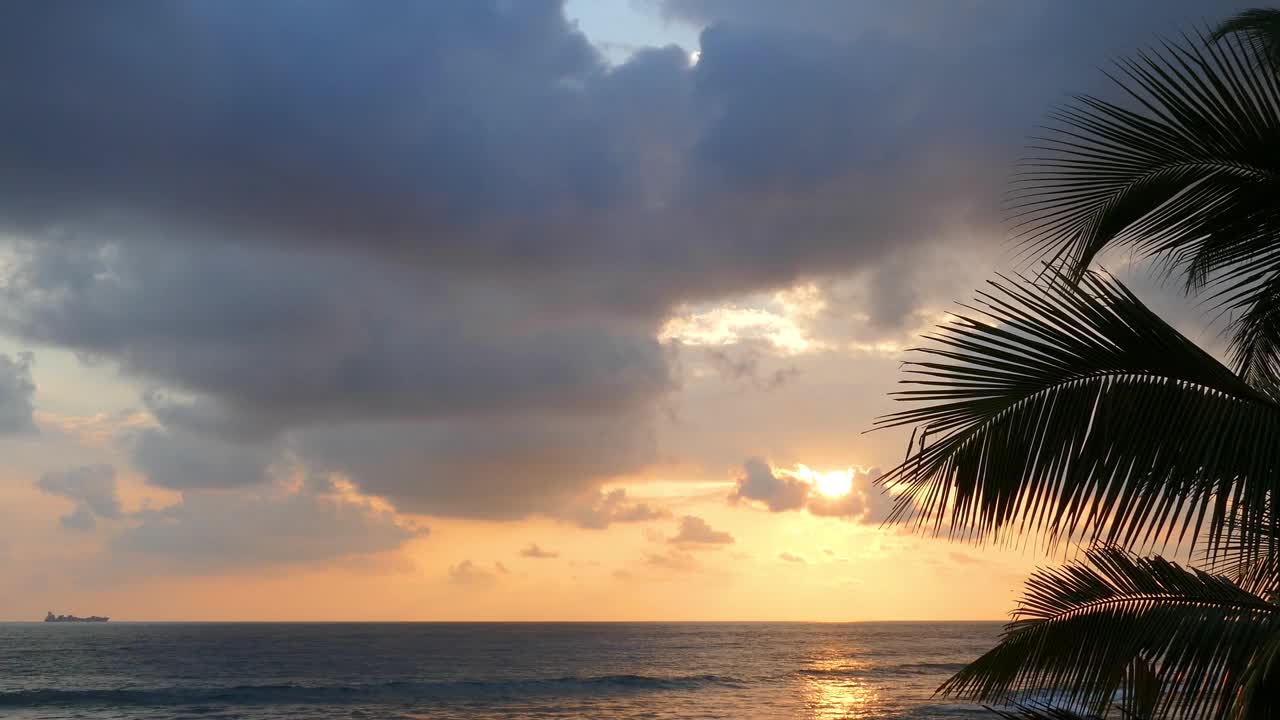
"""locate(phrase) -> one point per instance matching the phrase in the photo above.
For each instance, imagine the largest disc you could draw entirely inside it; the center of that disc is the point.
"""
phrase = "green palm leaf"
(1081, 628)
(1187, 170)
(1061, 408)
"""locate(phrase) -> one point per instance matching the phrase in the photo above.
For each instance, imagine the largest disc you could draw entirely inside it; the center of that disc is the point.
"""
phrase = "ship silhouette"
(72, 618)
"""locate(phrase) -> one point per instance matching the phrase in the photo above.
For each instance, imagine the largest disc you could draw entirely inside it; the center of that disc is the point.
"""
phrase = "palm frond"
(1058, 407)
(1259, 29)
(1140, 690)
(1248, 552)
(1080, 629)
(1186, 170)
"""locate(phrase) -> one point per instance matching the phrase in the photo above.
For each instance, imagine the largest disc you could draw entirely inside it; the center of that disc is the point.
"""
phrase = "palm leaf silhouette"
(1185, 170)
(1081, 628)
(1060, 408)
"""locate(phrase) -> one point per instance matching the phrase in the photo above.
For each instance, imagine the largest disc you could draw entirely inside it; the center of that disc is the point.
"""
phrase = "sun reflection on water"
(833, 689)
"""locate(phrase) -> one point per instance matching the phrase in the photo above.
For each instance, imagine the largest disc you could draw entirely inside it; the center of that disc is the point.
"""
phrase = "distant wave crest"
(396, 691)
(920, 668)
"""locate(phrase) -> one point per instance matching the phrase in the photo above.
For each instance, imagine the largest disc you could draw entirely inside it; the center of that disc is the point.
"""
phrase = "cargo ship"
(72, 618)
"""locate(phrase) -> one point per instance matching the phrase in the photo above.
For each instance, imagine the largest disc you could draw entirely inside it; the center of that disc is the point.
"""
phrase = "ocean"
(442, 671)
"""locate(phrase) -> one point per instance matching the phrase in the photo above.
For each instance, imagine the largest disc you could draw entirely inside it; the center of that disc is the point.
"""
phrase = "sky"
(503, 310)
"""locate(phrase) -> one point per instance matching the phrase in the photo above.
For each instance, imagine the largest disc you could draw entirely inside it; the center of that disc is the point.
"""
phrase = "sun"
(835, 483)
(832, 484)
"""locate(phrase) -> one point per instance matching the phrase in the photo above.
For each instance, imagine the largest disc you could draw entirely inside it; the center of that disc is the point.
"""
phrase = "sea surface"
(613, 671)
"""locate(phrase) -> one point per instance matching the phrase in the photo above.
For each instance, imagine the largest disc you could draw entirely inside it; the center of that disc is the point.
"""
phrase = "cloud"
(391, 123)
(355, 255)
(534, 551)
(743, 365)
(695, 531)
(99, 430)
(430, 248)
(82, 519)
(865, 501)
(778, 493)
(788, 557)
(16, 392)
(209, 531)
(470, 574)
(782, 491)
(673, 560)
(261, 341)
(181, 460)
(91, 487)
(604, 509)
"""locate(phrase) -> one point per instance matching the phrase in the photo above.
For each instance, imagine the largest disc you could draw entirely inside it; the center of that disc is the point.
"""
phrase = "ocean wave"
(919, 668)
(398, 691)
(929, 667)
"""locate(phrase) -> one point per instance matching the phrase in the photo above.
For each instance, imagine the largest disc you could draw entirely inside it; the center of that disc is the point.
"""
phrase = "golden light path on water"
(833, 689)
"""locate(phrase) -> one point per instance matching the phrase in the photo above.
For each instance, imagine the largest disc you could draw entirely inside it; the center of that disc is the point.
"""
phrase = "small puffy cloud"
(91, 487)
(534, 551)
(850, 493)
(788, 557)
(605, 509)
(864, 501)
(673, 560)
(777, 492)
(16, 392)
(470, 574)
(696, 531)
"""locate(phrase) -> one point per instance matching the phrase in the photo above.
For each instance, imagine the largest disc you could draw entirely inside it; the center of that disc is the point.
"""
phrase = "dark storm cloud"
(300, 114)
(91, 487)
(497, 468)
(16, 392)
(789, 111)
(213, 531)
(181, 460)
(428, 245)
(276, 339)
(931, 101)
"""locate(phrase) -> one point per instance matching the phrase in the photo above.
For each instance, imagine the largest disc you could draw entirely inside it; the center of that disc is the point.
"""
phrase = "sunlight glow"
(782, 319)
(833, 689)
(833, 483)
